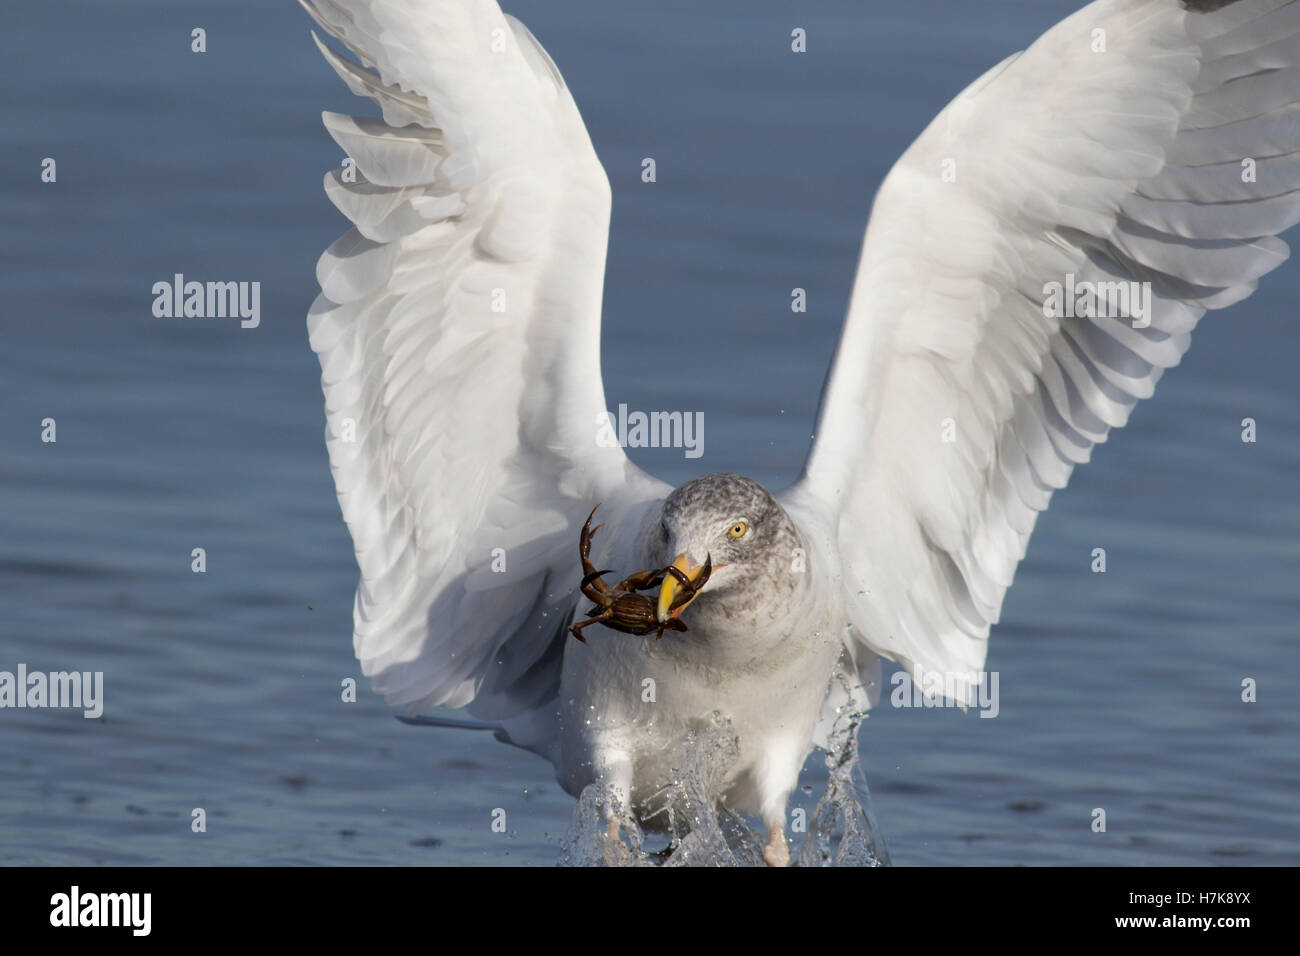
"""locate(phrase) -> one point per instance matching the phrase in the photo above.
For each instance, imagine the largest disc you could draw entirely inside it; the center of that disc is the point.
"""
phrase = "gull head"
(732, 522)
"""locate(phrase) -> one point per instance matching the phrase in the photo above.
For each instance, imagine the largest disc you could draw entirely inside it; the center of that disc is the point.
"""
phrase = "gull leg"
(615, 851)
(776, 853)
(617, 784)
(778, 776)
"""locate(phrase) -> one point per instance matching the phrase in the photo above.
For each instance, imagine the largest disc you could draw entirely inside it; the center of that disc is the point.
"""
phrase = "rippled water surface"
(1119, 691)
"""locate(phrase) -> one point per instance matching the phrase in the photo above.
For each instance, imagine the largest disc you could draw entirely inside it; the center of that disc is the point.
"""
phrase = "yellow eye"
(737, 530)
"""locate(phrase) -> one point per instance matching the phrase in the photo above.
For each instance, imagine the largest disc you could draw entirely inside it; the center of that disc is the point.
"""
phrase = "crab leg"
(600, 592)
(672, 624)
(576, 629)
(584, 552)
(641, 581)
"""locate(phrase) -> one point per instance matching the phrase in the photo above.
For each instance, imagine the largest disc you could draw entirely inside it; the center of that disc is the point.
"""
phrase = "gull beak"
(669, 589)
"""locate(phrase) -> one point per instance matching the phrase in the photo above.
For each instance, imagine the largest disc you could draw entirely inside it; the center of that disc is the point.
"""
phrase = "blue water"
(1119, 691)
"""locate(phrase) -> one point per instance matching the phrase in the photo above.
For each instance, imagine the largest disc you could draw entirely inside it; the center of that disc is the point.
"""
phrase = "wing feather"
(458, 332)
(959, 400)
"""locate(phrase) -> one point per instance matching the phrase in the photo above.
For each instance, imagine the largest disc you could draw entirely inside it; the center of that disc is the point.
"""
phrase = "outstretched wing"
(1147, 141)
(458, 330)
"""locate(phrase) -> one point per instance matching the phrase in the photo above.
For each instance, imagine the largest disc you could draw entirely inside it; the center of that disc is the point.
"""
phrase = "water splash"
(841, 831)
(589, 842)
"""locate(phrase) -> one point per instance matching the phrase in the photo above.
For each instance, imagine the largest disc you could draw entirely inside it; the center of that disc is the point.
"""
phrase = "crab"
(621, 607)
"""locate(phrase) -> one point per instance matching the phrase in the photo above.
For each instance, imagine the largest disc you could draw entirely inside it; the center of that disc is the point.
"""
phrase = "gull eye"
(738, 530)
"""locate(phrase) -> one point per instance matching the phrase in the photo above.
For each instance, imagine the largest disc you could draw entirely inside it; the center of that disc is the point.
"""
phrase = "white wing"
(458, 330)
(1170, 155)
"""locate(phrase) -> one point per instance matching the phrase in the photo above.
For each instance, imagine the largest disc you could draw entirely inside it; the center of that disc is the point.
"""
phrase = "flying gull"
(1031, 266)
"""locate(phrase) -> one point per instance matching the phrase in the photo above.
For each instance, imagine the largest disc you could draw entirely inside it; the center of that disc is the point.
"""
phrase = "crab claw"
(584, 538)
(672, 624)
(682, 584)
(587, 579)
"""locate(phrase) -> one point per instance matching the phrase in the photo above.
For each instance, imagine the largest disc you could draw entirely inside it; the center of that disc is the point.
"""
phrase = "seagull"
(1031, 266)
